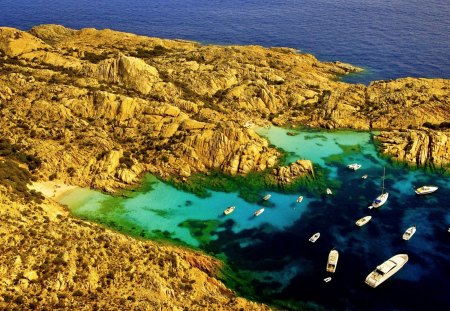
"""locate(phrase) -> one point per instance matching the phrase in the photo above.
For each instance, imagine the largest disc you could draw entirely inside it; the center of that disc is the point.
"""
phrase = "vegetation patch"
(9, 150)
(16, 178)
(251, 187)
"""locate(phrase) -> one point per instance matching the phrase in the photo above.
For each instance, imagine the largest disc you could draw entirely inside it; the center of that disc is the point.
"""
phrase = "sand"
(53, 189)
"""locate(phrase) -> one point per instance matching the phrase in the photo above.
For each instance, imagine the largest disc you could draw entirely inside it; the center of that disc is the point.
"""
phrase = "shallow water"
(273, 250)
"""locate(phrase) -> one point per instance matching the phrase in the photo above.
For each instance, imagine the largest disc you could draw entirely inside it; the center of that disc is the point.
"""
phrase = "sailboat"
(382, 198)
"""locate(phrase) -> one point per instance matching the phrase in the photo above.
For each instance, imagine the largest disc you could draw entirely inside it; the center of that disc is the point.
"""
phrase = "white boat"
(229, 210)
(314, 237)
(299, 199)
(426, 190)
(448, 229)
(364, 176)
(354, 166)
(382, 198)
(328, 279)
(362, 221)
(329, 191)
(266, 197)
(333, 257)
(259, 212)
(386, 270)
(409, 233)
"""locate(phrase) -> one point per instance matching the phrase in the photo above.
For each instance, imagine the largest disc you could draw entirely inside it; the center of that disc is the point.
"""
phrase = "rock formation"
(287, 174)
(98, 108)
(175, 107)
(49, 260)
(418, 147)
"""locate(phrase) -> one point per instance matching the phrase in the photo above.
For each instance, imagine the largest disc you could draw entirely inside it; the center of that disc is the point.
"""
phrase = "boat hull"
(332, 261)
(362, 221)
(314, 237)
(229, 210)
(354, 166)
(259, 212)
(380, 200)
(409, 233)
(386, 270)
(426, 190)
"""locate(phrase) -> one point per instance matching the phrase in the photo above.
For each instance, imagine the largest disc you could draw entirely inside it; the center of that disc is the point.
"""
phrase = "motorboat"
(314, 237)
(386, 270)
(328, 279)
(362, 221)
(266, 197)
(333, 257)
(409, 233)
(426, 190)
(300, 199)
(229, 210)
(259, 212)
(329, 191)
(364, 176)
(354, 166)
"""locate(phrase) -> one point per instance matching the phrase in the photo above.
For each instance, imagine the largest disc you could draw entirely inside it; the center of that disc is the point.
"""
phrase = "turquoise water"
(272, 250)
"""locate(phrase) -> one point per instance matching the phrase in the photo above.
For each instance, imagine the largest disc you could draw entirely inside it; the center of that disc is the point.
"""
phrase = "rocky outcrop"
(287, 174)
(15, 42)
(422, 147)
(98, 108)
(175, 108)
(129, 71)
(408, 103)
(229, 149)
(49, 262)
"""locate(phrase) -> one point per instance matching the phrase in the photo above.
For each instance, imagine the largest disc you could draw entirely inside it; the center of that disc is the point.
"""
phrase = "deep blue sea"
(389, 38)
(271, 252)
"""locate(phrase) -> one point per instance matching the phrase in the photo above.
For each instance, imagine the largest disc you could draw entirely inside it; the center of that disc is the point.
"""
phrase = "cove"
(270, 258)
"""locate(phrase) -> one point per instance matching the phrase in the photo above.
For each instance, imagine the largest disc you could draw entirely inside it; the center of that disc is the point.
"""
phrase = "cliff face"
(98, 108)
(107, 106)
(421, 148)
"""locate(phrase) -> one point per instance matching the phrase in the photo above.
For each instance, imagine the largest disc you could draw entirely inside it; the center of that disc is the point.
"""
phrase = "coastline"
(119, 164)
(53, 190)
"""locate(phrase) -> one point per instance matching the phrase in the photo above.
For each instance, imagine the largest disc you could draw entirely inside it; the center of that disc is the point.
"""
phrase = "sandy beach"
(53, 189)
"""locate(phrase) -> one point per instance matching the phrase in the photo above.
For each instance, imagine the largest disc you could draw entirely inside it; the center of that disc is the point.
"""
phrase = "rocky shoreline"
(99, 108)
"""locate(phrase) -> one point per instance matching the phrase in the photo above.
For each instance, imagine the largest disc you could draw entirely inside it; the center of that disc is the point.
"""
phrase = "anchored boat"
(382, 198)
(362, 221)
(409, 233)
(386, 270)
(229, 210)
(314, 237)
(333, 257)
(354, 166)
(259, 212)
(426, 190)
(266, 197)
